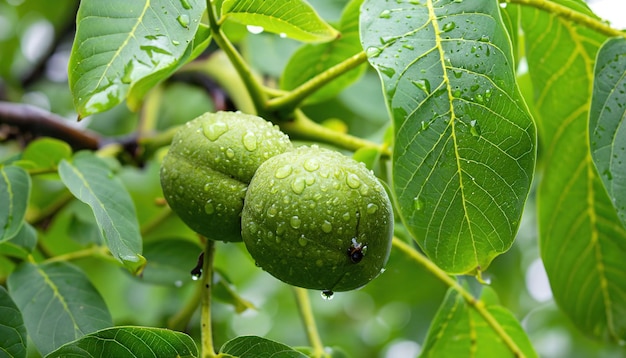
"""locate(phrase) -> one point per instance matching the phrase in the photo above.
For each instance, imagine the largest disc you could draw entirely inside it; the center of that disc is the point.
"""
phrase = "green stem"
(293, 99)
(572, 15)
(303, 127)
(99, 251)
(476, 304)
(150, 111)
(147, 227)
(255, 88)
(304, 306)
(180, 320)
(208, 351)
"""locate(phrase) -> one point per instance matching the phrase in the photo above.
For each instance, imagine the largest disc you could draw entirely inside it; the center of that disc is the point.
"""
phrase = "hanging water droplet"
(385, 14)
(183, 20)
(283, 171)
(298, 185)
(353, 181)
(328, 295)
(327, 227)
(295, 222)
(423, 84)
(373, 51)
(474, 128)
(214, 130)
(418, 203)
(249, 141)
(449, 26)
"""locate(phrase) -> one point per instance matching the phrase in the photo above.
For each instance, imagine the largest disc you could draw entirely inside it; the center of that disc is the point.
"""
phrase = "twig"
(474, 303)
(37, 122)
(572, 15)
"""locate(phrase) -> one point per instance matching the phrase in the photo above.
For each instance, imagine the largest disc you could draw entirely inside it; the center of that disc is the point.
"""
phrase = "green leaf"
(130, 342)
(14, 194)
(46, 153)
(464, 140)
(296, 20)
(459, 331)
(58, 303)
(313, 59)
(90, 180)
(169, 262)
(257, 347)
(26, 239)
(607, 127)
(12, 329)
(582, 241)
(123, 48)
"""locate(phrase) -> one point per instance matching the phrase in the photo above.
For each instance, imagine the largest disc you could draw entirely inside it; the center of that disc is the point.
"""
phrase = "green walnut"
(209, 165)
(317, 219)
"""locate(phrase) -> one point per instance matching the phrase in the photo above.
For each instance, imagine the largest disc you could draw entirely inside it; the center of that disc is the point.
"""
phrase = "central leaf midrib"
(446, 80)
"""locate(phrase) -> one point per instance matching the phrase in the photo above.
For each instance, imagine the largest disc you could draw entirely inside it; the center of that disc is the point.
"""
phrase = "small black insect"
(356, 251)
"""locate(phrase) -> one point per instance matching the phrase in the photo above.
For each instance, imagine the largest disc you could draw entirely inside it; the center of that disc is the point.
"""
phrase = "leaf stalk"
(208, 351)
(304, 306)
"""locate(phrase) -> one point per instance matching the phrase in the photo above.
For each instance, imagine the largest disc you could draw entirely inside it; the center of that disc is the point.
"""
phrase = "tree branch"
(37, 122)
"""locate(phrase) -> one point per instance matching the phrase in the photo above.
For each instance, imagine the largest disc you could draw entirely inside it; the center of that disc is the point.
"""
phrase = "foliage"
(494, 174)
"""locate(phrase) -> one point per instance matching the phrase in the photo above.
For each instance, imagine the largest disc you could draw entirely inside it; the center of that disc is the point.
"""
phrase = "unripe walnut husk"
(317, 219)
(209, 165)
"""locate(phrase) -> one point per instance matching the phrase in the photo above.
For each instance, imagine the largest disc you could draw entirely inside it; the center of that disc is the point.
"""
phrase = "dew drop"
(311, 164)
(425, 125)
(298, 185)
(327, 227)
(372, 208)
(128, 71)
(449, 26)
(373, 51)
(230, 153)
(475, 87)
(385, 14)
(185, 4)
(302, 241)
(328, 295)
(283, 171)
(409, 47)
(387, 71)
(484, 38)
(207, 187)
(209, 208)
(353, 181)
(196, 277)
(272, 211)
(319, 263)
(183, 20)
(418, 203)
(423, 84)
(175, 43)
(249, 141)
(214, 130)
(346, 216)
(255, 30)
(474, 128)
(457, 74)
(295, 222)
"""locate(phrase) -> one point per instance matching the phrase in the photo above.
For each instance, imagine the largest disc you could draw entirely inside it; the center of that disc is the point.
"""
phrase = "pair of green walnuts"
(311, 217)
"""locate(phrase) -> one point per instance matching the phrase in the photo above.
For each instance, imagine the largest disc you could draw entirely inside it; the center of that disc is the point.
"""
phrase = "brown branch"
(39, 123)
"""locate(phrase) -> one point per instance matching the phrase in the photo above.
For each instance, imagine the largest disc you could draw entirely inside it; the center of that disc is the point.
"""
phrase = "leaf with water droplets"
(296, 20)
(123, 48)
(607, 128)
(464, 140)
(252, 346)
(582, 241)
